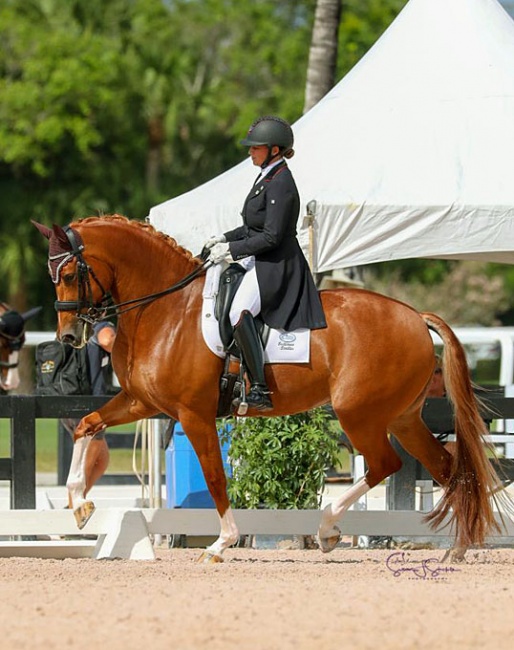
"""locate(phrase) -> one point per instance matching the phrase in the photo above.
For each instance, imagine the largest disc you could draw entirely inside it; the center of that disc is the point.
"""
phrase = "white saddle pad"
(282, 347)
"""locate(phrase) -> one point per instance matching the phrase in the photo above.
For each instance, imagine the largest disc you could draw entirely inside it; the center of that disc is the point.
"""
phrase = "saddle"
(231, 382)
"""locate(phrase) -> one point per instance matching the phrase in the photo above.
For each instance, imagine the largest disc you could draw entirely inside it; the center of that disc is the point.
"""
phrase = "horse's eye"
(69, 278)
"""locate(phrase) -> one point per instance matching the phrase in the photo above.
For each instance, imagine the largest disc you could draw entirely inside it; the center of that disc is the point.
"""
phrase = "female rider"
(278, 283)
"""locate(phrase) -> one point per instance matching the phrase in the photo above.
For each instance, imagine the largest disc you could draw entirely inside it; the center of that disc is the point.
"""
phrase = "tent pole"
(311, 213)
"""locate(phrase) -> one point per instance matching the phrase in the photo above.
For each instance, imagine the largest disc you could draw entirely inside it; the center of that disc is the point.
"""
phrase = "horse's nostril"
(69, 338)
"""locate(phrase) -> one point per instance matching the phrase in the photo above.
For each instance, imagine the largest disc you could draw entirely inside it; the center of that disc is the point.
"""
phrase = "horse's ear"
(60, 235)
(56, 233)
(31, 313)
(44, 230)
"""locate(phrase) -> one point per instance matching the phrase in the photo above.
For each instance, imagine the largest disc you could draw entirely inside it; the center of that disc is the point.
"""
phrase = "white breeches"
(248, 297)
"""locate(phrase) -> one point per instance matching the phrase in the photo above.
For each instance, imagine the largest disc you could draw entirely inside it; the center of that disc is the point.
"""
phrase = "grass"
(120, 459)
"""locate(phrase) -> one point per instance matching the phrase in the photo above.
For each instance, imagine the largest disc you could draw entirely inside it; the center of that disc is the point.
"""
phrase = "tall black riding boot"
(247, 338)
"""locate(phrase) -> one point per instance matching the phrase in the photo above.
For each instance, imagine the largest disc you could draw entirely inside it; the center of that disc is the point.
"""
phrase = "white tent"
(410, 155)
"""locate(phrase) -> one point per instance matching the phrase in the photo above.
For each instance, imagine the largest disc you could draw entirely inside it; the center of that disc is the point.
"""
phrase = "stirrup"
(259, 398)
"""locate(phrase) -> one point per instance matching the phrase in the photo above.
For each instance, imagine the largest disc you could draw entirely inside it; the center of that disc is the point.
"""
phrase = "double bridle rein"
(106, 308)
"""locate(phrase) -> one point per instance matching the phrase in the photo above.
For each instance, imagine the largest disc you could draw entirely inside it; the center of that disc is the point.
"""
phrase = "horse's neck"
(145, 265)
(155, 273)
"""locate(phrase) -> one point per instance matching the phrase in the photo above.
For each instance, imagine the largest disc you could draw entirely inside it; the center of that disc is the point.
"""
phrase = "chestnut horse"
(12, 338)
(373, 363)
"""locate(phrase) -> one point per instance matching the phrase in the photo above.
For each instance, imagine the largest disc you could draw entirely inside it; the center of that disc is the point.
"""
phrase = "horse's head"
(98, 255)
(12, 337)
(79, 290)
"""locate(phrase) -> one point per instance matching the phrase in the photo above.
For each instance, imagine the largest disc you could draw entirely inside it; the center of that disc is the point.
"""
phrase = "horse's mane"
(142, 226)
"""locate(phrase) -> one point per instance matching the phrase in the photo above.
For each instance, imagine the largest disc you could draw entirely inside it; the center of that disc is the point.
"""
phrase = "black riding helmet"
(270, 131)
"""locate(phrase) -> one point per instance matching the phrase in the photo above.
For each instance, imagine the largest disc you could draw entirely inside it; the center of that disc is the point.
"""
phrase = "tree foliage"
(116, 106)
(362, 23)
(467, 294)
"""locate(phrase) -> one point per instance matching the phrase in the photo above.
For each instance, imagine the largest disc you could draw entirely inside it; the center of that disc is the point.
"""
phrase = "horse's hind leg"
(382, 461)
(415, 437)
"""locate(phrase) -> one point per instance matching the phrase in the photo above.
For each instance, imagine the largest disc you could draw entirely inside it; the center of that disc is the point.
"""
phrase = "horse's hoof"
(328, 544)
(455, 555)
(83, 513)
(209, 558)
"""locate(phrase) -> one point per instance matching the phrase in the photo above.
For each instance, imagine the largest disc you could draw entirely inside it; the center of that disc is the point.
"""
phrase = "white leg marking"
(334, 511)
(76, 482)
(12, 379)
(228, 536)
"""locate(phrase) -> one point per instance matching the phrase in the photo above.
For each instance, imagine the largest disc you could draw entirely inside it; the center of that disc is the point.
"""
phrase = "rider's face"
(259, 153)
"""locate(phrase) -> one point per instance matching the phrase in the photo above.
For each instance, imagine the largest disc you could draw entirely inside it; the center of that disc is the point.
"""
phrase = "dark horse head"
(12, 337)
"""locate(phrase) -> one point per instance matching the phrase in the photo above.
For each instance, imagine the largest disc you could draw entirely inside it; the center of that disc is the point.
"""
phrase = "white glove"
(219, 253)
(215, 239)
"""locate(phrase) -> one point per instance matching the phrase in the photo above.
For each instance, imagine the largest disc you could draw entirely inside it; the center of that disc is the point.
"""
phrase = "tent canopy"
(409, 155)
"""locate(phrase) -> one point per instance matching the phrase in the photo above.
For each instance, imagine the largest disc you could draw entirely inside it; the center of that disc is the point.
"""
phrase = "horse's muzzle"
(75, 334)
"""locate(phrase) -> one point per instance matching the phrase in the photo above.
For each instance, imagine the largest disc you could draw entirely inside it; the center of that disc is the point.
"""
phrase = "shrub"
(281, 462)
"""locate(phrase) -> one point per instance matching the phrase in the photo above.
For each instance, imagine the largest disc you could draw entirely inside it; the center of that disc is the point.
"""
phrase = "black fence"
(23, 410)
(438, 416)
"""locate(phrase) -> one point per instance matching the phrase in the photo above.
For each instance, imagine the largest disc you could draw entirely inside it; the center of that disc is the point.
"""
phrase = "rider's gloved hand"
(215, 239)
(220, 252)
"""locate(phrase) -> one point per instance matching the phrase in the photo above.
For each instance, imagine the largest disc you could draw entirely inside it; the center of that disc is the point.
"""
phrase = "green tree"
(115, 106)
(362, 23)
(472, 294)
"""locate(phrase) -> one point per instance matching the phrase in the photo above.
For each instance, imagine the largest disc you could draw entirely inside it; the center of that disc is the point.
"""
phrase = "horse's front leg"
(90, 454)
(228, 537)
(205, 441)
(79, 478)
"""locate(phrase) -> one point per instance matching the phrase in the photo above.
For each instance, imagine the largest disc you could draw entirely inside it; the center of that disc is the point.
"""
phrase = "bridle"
(105, 308)
(14, 344)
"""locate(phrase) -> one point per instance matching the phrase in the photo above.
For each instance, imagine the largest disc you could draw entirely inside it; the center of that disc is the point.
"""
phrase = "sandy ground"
(260, 599)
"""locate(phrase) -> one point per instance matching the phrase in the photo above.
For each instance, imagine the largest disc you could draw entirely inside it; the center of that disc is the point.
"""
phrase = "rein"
(106, 309)
(109, 310)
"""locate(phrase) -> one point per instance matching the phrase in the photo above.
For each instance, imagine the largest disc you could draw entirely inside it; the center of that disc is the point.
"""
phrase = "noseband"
(105, 308)
(13, 344)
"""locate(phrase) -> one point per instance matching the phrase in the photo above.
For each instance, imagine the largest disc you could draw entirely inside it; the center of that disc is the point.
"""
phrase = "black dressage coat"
(289, 298)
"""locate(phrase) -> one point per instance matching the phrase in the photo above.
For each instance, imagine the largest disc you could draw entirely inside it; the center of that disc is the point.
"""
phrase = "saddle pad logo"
(286, 341)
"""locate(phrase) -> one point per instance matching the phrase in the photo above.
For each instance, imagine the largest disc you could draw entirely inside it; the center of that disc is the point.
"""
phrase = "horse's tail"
(473, 485)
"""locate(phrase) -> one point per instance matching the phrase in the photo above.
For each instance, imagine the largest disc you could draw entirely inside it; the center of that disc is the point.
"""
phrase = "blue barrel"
(185, 484)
